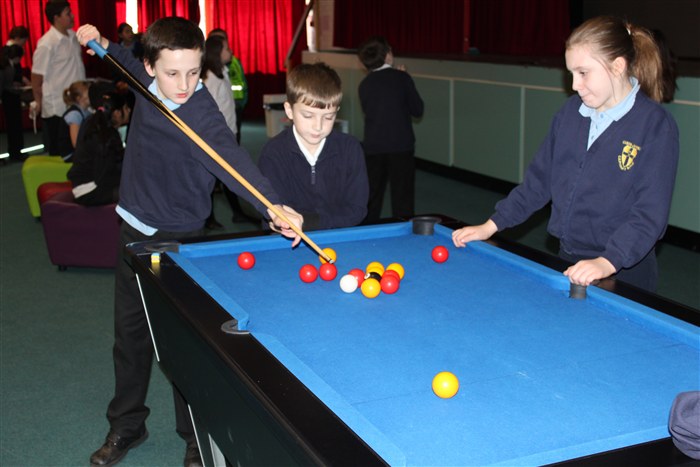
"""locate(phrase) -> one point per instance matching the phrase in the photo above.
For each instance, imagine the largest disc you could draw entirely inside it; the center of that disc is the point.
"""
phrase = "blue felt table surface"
(543, 378)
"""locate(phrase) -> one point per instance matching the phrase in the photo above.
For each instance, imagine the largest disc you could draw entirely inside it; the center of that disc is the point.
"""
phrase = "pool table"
(281, 372)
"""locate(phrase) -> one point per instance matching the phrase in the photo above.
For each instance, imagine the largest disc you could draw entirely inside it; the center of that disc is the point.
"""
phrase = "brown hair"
(611, 37)
(54, 8)
(373, 52)
(19, 32)
(172, 33)
(74, 91)
(316, 85)
(212, 57)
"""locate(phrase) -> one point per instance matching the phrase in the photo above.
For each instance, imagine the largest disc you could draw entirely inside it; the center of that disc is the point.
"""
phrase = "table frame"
(240, 394)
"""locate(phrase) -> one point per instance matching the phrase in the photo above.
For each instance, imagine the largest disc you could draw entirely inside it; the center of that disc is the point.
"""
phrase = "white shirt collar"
(383, 67)
(311, 158)
(153, 88)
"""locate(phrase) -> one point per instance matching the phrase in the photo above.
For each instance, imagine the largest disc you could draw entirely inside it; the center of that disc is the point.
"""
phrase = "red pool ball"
(308, 273)
(391, 272)
(359, 275)
(389, 283)
(328, 271)
(440, 254)
(246, 260)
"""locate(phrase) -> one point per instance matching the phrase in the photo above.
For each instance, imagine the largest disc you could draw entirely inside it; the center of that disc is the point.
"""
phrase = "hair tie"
(629, 33)
(101, 108)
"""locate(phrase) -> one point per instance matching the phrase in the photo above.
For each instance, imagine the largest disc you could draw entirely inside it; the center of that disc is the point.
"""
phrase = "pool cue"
(103, 54)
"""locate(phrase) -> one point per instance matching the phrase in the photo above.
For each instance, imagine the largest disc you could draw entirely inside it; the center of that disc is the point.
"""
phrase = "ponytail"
(647, 66)
(100, 123)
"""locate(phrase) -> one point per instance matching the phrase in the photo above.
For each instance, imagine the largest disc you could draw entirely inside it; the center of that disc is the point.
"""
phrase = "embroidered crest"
(629, 152)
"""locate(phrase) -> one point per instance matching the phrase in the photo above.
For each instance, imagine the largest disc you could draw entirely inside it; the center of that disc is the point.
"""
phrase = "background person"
(56, 64)
(390, 101)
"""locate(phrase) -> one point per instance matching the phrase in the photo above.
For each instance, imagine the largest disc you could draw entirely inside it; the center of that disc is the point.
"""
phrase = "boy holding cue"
(165, 194)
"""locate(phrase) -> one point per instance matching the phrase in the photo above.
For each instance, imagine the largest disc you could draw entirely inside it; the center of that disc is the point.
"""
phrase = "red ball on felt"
(328, 271)
(359, 275)
(389, 283)
(440, 254)
(246, 260)
(308, 273)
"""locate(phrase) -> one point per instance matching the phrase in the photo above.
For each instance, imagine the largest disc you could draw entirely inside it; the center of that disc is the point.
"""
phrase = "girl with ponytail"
(608, 164)
(98, 155)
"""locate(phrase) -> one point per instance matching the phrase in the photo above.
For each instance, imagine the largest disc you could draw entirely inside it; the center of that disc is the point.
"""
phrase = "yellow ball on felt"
(370, 288)
(445, 384)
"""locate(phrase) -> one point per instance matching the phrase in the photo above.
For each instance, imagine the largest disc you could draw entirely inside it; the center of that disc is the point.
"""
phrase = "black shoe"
(192, 457)
(115, 448)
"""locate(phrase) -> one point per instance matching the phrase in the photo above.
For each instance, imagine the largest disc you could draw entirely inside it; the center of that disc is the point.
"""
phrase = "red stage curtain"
(121, 11)
(260, 32)
(502, 27)
(410, 26)
(151, 10)
(520, 27)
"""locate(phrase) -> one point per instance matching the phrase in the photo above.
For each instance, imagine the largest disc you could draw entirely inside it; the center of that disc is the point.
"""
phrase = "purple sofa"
(78, 235)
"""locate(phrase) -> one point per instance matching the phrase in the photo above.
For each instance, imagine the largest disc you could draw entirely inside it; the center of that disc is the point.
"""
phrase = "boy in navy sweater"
(165, 194)
(390, 101)
(608, 164)
(319, 171)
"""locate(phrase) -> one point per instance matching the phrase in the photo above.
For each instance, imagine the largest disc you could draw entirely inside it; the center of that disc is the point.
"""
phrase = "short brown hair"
(171, 33)
(316, 85)
(372, 52)
(19, 32)
(55, 8)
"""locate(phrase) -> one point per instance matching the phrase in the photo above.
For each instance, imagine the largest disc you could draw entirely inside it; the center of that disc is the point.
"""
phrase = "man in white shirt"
(56, 64)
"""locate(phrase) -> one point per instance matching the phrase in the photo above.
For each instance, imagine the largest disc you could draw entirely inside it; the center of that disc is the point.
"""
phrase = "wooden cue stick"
(177, 121)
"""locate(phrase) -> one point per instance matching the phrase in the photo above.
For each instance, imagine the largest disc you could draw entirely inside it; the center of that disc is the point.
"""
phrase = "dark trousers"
(50, 135)
(99, 196)
(12, 107)
(644, 274)
(133, 348)
(398, 170)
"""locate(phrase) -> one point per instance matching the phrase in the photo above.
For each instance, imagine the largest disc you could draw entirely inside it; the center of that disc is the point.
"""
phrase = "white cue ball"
(348, 283)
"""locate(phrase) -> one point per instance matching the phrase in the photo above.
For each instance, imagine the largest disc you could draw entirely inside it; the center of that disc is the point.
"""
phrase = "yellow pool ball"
(445, 384)
(370, 288)
(396, 267)
(375, 266)
(331, 254)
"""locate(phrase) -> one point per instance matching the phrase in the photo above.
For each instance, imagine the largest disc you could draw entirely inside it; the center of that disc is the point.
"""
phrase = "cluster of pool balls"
(373, 280)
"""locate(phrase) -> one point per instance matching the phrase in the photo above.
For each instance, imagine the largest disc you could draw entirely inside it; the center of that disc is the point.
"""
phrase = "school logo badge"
(629, 153)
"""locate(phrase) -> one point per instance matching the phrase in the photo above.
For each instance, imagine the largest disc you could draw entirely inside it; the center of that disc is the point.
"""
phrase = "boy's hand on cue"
(277, 224)
(88, 32)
